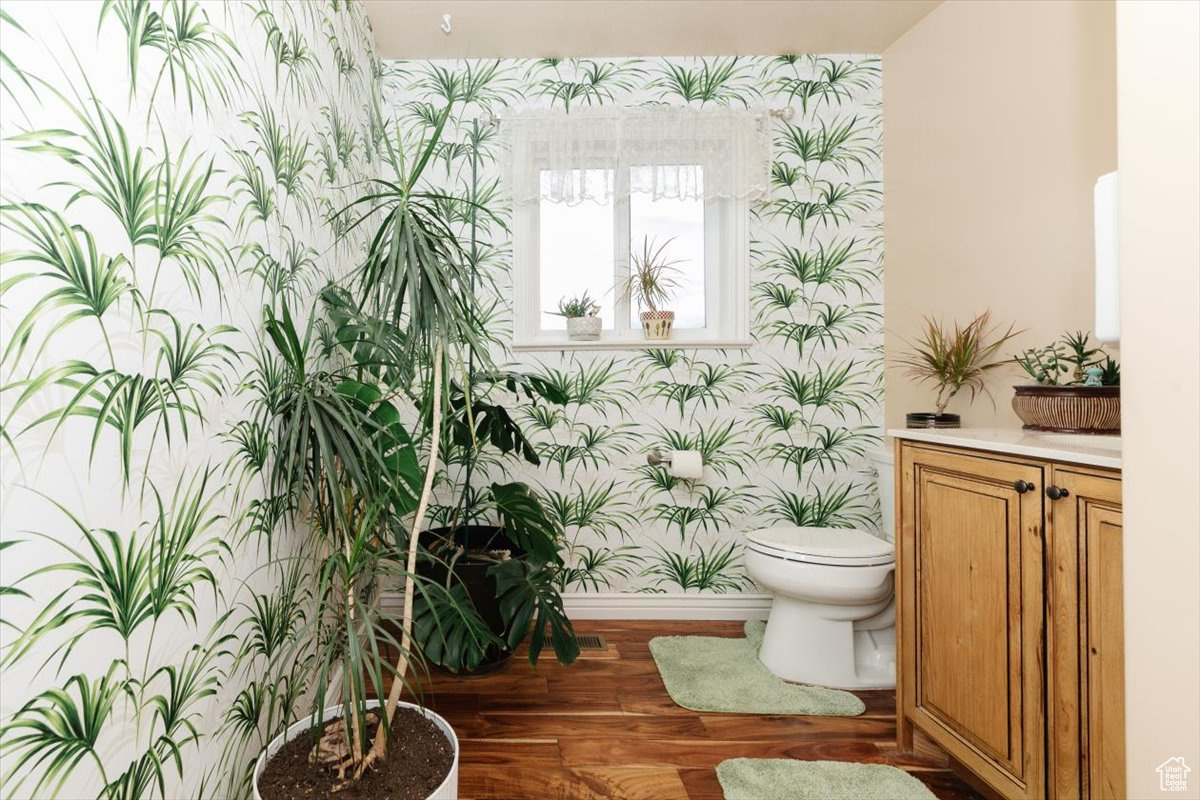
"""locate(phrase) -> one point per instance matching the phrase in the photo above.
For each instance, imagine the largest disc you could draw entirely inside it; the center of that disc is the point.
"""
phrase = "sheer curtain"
(687, 153)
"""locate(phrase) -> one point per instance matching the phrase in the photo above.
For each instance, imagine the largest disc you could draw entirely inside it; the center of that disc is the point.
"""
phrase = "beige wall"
(1158, 63)
(998, 118)
(562, 28)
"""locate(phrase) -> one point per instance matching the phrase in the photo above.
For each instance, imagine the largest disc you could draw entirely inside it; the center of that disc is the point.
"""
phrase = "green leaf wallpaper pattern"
(169, 167)
(785, 425)
(172, 166)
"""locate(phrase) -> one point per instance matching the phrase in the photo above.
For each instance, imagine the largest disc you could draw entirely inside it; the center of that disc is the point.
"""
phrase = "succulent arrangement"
(575, 307)
(1067, 362)
(1076, 388)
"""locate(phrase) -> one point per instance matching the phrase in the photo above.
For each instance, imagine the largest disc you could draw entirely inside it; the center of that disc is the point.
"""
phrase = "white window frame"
(726, 264)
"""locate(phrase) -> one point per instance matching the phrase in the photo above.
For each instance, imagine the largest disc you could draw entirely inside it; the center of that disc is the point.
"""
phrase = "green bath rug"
(788, 779)
(710, 673)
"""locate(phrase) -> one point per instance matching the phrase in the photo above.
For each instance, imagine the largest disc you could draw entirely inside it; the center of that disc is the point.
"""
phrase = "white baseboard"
(614, 605)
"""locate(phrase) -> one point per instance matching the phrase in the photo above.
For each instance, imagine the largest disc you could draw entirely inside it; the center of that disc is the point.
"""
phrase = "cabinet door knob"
(1022, 487)
(1057, 492)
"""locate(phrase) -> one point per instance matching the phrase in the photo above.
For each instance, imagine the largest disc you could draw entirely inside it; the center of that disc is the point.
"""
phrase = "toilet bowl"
(833, 620)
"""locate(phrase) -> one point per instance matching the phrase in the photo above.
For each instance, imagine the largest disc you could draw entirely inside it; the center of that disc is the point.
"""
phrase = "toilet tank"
(883, 462)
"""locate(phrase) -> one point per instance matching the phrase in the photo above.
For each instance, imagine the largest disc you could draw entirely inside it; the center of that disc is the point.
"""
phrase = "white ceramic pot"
(448, 790)
(584, 329)
(657, 324)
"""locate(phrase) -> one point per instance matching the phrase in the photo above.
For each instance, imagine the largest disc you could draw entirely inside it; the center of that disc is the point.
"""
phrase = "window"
(586, 211)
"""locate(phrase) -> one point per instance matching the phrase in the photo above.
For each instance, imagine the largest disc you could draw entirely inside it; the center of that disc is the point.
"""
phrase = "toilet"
(833, 616)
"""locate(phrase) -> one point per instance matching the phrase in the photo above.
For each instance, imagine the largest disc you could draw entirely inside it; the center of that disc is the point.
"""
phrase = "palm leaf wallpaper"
(164, 178)
(784, 426)
(169, 168)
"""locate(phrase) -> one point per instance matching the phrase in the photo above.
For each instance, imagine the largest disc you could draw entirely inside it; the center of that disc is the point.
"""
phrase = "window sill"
(628, 343)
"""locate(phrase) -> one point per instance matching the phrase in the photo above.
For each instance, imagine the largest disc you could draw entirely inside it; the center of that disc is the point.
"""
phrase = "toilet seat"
(842, 547)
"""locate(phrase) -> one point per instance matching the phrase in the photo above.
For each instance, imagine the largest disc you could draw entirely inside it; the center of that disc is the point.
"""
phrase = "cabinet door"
(972, 611)
(1085, 640)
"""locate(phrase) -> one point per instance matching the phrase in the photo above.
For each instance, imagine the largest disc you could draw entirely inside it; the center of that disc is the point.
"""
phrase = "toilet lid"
(822, 545)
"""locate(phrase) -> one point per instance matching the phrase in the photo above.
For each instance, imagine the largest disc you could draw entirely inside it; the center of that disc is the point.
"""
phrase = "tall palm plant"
(415, 277)
(343, 458)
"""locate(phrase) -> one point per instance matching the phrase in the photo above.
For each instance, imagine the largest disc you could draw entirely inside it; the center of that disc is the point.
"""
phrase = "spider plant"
(116, 173)
(838, 143)
(829, 507)
(707, 384)
(828, 204)
(720, 80)
(58, 729)
(89, 283)
(713, 509)
(595, 568)
(197, 55)
(181, 229)
(586, 81)
(653, 278)
(956, 358)
(707, 570)
(829, 325)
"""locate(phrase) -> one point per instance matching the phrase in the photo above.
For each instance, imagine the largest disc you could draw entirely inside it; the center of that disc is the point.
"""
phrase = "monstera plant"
(499, 541)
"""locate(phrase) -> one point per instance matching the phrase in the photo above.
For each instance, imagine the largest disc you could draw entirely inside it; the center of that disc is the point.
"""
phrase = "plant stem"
(379, 747)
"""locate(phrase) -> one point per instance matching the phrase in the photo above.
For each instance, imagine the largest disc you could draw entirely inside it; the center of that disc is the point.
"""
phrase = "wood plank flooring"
(605, 728)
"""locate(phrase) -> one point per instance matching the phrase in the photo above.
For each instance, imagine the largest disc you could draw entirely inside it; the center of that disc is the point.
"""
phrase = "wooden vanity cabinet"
(1008, 576)
(1085, 644)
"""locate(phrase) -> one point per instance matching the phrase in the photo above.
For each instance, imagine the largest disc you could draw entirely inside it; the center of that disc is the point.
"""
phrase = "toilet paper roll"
(687, 464)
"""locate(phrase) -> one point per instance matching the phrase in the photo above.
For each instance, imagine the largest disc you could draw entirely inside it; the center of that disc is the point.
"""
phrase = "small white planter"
(448, 790)
(584, 329)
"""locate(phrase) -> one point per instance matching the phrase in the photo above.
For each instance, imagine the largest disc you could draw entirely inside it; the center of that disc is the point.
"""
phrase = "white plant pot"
(448, 790)
(657, 324)
(584, 329)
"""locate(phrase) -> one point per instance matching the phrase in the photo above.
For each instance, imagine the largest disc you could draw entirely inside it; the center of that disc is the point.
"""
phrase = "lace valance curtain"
(680, 154)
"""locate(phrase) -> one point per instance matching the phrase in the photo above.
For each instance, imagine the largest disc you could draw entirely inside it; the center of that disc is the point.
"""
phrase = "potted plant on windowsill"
(952, 359)
(583, 317)
(653, 280)
(1077, 388)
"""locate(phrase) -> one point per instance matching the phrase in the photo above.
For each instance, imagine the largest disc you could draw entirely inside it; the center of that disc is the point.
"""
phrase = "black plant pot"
(481, 587)
(928, 420)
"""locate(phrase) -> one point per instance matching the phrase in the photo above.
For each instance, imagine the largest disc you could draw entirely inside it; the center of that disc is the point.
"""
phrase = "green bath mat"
(710, 673)
(788, 779)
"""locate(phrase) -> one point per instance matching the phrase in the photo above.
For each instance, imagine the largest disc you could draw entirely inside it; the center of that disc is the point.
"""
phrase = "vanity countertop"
(1072, 448)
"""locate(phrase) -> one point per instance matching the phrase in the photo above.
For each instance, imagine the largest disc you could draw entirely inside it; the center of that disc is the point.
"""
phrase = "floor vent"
(590, 641)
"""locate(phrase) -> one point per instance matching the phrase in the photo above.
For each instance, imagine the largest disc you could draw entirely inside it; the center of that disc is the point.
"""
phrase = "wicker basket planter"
(1069, 409)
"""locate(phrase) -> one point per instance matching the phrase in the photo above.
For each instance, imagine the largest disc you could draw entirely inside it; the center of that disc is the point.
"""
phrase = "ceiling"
(411, 29)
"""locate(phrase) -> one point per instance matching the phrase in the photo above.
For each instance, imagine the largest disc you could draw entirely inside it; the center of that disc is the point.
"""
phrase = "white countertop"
(1072, 448)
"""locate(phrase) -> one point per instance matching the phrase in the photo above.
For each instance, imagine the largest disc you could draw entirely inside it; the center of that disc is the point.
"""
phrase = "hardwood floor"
(606, 728)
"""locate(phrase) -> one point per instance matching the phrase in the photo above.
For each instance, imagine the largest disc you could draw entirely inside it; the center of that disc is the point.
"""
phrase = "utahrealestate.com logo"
(1172, 775)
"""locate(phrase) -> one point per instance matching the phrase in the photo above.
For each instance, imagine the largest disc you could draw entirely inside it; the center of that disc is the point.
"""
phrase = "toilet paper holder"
(657, 458)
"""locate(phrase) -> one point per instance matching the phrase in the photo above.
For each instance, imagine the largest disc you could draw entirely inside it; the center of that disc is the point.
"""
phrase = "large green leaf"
(526, 522)
(448, 628)
(528, 595)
